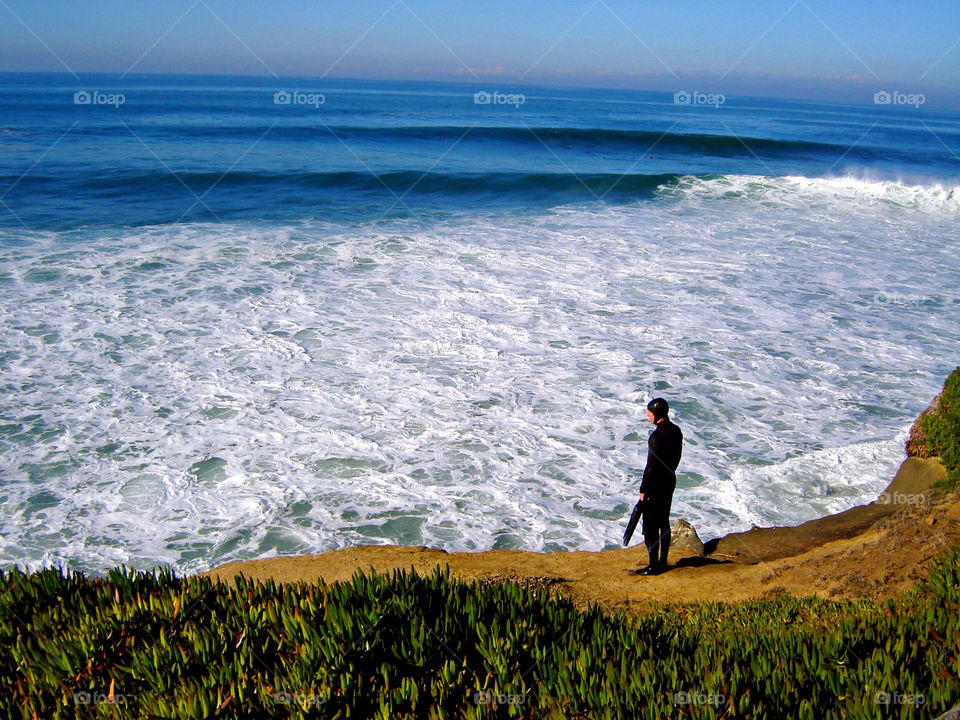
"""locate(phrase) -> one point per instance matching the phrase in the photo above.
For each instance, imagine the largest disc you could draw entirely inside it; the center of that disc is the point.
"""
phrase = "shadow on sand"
(698, 562)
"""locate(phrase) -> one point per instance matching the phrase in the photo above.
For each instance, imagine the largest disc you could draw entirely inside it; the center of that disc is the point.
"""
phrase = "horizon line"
(835, 85)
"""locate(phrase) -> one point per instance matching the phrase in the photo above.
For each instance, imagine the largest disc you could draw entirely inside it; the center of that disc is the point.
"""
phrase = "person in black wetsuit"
(659, 481)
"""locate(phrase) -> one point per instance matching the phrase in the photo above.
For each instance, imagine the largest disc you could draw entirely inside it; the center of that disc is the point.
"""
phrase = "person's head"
(657, 410)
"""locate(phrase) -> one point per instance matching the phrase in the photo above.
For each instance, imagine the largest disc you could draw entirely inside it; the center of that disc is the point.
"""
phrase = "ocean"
(245, 317)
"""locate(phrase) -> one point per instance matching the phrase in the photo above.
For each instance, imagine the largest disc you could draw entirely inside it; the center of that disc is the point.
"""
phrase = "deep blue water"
(206, 149)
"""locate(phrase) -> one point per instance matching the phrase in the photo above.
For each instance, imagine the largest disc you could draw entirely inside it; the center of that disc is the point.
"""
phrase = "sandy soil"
(870, 551)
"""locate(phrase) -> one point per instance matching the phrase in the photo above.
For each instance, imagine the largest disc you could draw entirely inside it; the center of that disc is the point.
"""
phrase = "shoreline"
(868, 551)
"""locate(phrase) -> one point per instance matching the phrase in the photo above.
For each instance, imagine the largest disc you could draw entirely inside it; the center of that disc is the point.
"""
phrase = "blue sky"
(794, 48)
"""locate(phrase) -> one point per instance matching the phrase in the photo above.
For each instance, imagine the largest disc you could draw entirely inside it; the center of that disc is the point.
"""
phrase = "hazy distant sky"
(829, 49)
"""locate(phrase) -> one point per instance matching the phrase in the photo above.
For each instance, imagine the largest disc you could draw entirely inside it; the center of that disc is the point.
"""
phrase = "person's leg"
(664, 542)
(651, 529)
(665, 530)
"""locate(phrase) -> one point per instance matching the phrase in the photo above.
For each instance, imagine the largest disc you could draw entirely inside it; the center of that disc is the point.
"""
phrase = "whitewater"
(194, 393)
(233, 328)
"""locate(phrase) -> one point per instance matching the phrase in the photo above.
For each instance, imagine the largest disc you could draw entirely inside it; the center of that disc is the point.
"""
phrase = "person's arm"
(653, 446)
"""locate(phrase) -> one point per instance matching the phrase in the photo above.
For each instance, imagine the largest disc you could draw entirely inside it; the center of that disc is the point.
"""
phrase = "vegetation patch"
(138, 644)
(936, 432)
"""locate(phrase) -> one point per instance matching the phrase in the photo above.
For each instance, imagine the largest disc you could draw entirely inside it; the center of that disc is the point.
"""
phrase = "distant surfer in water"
(659, 481)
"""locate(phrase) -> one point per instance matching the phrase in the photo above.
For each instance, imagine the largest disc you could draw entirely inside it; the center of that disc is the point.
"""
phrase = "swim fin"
(632, 522)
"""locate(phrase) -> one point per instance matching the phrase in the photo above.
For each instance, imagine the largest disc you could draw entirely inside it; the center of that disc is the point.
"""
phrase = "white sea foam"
(797, 191)
(194, 394)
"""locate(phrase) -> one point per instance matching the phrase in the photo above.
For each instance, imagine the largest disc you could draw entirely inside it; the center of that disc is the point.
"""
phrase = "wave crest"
(795, 190)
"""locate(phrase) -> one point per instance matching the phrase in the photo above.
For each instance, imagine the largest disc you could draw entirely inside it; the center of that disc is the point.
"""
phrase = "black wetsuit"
(659, 481)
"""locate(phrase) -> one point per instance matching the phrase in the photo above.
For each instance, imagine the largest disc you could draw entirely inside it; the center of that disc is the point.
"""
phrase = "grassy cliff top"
(936, 433)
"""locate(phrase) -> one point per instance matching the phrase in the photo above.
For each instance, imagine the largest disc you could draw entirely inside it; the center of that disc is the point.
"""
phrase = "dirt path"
(870, 551)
